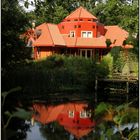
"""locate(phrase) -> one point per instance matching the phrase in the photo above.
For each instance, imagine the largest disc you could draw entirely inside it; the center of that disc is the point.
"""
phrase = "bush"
(57, 73)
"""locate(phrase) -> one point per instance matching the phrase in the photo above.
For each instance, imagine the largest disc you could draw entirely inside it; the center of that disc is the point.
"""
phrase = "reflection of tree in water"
(53, 131)
(18, 129)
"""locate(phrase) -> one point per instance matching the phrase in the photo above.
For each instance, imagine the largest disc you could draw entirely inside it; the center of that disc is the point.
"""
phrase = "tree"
(14, 22)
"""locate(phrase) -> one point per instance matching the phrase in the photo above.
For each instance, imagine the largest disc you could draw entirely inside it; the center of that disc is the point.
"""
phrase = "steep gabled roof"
(45, 38)
(50, 35)
(56, 35)
(80, 13)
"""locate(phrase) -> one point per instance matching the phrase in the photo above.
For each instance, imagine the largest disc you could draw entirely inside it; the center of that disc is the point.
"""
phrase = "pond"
(70, 121)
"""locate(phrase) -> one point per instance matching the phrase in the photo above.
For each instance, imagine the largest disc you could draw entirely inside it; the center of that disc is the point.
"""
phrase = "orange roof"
(50, 36)
(47, 114)
(50, 113)
(70, 41)
(74, 107)
(56, 36)
(116, 34)
(45, 38)
(80, 42)
(80, 13)
(99, 42)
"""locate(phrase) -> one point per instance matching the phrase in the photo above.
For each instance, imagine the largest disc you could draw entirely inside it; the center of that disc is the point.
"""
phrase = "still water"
(70, 121)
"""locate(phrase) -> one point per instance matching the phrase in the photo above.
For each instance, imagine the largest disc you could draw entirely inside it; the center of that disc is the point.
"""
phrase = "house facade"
(79, 34)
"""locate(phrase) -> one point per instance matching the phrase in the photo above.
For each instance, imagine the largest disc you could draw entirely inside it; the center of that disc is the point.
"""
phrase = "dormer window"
(72, 33)
(86, 34)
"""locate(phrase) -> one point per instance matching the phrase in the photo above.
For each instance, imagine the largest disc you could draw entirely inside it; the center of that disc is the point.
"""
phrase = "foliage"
(19, 113)
(120, 116)
(108, 42)
(14, 23)
(108, 59)
(56, 74)
(123, 60)
(119, 59)
(52, 131)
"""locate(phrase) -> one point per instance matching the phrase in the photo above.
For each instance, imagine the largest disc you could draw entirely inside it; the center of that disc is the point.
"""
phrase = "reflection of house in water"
(79, 34)
(74, 117)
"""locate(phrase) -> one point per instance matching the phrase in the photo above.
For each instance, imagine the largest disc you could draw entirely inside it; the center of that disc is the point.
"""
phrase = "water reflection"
(75, 118)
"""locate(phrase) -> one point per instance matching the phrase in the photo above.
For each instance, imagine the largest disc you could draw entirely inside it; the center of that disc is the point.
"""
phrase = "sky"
(30, 8)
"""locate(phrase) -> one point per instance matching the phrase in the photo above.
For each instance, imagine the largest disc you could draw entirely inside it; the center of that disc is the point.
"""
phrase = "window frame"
(71, 115)
(71, 33)
(85, 114)
(87, 34)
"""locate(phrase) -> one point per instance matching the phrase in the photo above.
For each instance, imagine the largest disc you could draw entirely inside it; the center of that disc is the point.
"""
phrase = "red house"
(74, 117)
(79, 34)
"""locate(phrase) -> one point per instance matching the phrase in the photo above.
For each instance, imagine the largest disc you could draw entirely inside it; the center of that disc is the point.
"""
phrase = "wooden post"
(96, 87)
(127, 90)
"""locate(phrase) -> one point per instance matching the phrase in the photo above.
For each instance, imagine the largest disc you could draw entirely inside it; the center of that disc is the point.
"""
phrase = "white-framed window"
(85, 114)
(86, 34)
(72, 33)
(88, 113)
(71, 114)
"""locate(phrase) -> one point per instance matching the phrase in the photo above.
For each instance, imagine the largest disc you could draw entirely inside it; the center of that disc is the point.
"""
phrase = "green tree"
(14, 22)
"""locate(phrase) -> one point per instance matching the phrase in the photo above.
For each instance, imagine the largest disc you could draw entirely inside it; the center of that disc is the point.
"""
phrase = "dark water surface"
(65, 121)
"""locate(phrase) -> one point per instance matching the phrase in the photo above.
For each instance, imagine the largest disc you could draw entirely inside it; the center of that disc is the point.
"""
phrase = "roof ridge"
(50, 33)
(80, 11)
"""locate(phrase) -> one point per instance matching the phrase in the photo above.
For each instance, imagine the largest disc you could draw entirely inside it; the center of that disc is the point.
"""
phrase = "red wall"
(67, 26)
